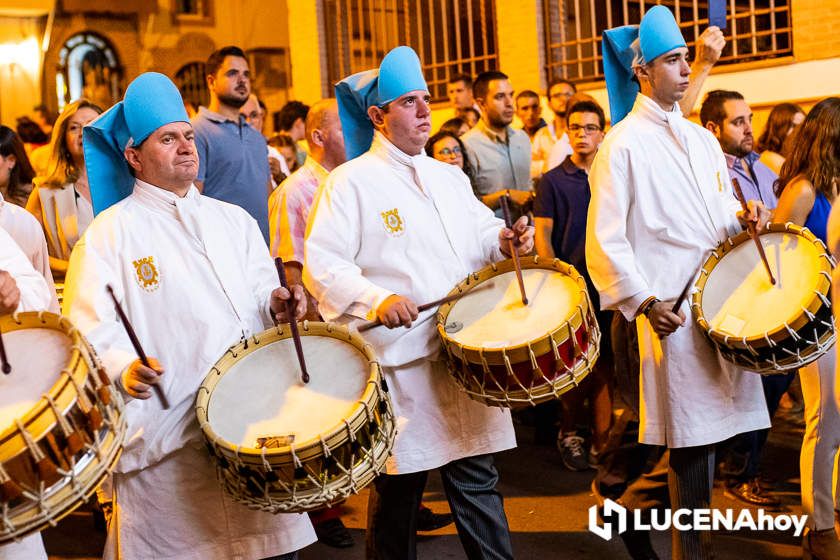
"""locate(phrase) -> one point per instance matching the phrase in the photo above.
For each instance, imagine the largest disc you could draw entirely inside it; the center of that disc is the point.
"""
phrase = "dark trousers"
(470, 487)
(742, 453)
(690, 478)
(287, 556)
(631, 472)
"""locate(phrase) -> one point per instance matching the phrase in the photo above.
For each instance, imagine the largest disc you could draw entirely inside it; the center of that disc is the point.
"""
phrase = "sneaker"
(572, 453)
(427, 520)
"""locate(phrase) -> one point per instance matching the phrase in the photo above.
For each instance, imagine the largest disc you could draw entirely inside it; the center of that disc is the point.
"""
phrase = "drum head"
(496, 318)
(37, 357)
(261, 395)
(738, 299)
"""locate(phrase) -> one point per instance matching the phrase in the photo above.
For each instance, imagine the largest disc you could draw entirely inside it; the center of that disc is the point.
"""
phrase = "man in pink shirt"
(289, 204)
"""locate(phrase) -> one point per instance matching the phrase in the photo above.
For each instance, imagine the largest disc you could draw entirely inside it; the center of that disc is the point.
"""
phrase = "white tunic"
(34, 292)
(29, 235)
(388, 223)
(194, 276)
(34, 296)
(655, 215)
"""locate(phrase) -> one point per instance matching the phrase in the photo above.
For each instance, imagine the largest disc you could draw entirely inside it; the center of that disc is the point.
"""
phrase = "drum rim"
(36, 420)
(539, 345)
(371, 394)
(779, 333)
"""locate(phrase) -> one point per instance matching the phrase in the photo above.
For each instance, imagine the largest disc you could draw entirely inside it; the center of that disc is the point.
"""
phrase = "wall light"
(24, 54)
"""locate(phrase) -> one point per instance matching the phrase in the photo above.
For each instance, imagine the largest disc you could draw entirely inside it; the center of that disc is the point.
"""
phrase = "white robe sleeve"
(333, 238)
(609, 255)
(487, 225)
(89, 306)
(34, 293)
(261, 271)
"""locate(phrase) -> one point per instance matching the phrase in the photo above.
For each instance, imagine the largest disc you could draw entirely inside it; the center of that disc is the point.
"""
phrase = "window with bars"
(756, 29)
(451, 37)
(191, 80)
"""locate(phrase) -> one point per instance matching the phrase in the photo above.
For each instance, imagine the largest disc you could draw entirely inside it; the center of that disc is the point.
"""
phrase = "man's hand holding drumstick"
(9, 293)
(522, 235)
(755, 213)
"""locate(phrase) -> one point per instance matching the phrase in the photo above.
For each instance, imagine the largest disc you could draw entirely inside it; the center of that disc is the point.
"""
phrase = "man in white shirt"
(661, 196)
(194, 277)
(391, 228)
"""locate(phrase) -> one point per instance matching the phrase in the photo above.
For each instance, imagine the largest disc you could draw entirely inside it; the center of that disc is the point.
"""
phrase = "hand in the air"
(522, 234)
(138, 380)
(280, 295)
(9, 293)
(397, 311)
(663, 320)
(709, 46)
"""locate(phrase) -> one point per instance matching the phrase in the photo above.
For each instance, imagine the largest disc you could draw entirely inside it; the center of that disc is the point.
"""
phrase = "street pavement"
(547, 508)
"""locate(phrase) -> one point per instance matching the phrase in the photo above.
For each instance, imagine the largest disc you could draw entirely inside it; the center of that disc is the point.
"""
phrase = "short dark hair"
(285, 118)
(557, 81)
(216, 58)
(466, 78)
(452, 126)
(712, 108)
(588, 107)
(527, 93)
(482, 82)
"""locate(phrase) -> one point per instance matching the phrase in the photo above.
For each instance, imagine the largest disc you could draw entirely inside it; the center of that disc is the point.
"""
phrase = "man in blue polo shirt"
(560, 219)
(233, 157)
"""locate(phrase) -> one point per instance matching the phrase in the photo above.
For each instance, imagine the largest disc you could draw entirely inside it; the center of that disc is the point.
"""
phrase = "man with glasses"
(560, 219)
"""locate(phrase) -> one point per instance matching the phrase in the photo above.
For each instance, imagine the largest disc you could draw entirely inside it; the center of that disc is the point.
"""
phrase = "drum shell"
(85, 409)
(802, 339)
(525, 374)
(312, 474)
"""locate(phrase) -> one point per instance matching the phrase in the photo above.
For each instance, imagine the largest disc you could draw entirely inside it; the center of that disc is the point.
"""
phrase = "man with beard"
(500, 154)
(726, 115)
(233, 157)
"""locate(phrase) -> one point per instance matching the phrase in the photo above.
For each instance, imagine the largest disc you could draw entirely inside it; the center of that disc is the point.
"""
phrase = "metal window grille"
(756, 29)
(451, 37)
(192, 81)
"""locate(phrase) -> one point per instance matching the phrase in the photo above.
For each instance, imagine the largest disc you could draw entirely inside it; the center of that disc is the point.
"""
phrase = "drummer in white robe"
(661, 201)
(22, 288)
(392, 228)
(194, 277)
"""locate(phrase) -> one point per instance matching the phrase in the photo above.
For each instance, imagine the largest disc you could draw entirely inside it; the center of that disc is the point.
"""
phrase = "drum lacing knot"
(84, 403)
(368, 413)
(573, 338)
(535, 367)
(266, 465)
(493, 266)
(554, 348)
(484, 365)
(66, 429)
(825, 301)
(324, 447)
(237, 460)
(16, 319)
(256, 338)
(350, 433)
(770, 342)
(31, 446)
(65, 324)
(794, 335)
(749, 346)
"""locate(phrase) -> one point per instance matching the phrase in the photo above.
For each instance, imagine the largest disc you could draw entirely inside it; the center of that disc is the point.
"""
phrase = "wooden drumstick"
(290, 314)
(431, 305)
(132, 336)
(6, 367)
(513, 253)
(751, 228)
(683, 295)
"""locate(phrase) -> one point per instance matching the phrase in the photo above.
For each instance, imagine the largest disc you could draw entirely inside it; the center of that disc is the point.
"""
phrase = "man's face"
(167, 158)
(585, 133)
(460, 96)
(558, 97)
(735, 133)
(666, 76)
(232, 82)
(408, 122)
(253, 113)
(498, 105)
(333, 138)
(528, 110)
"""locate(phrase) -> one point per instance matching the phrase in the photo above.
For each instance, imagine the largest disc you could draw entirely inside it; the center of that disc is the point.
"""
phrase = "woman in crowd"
(15, 171)
(286, 146)
(448, 148)
(61, 200)
(807, 186)
(456, 126)
(783, 119)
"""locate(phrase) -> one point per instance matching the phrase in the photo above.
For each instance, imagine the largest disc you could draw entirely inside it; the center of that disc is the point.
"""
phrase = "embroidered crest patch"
(394, 224)
(147, 274)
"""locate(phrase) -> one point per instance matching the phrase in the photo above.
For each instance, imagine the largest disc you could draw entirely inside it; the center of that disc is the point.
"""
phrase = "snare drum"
(61, 424)
(506, 354)
(759, 326)
(285, 446)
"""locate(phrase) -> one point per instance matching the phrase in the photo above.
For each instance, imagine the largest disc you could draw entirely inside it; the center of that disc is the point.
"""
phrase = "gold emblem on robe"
(147, 273)
(394, 224)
